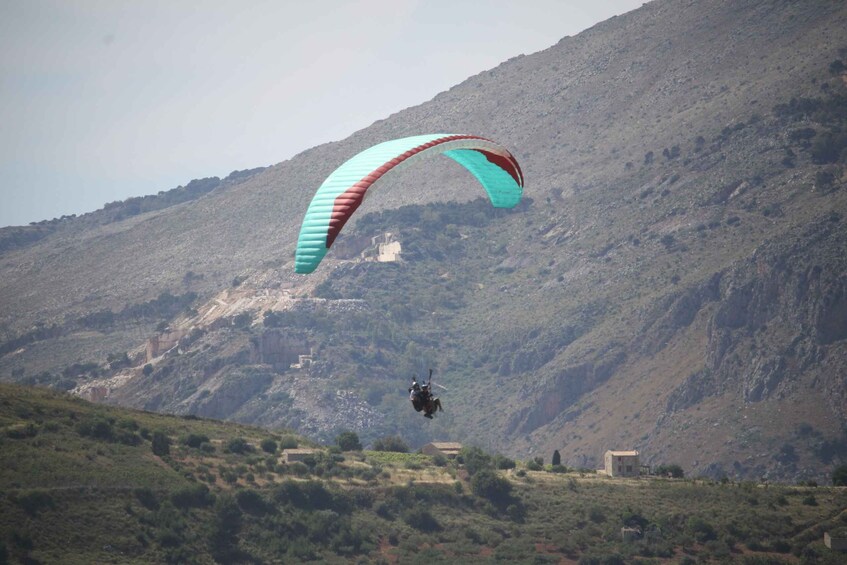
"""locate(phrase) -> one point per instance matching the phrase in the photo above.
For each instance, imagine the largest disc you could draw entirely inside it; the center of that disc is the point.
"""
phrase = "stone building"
(160, 344)
(622, 464)
(449, 449)
(836, 542)
(282, 349)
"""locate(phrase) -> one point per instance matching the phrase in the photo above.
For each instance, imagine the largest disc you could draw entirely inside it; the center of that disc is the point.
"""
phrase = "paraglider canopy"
(343, 191)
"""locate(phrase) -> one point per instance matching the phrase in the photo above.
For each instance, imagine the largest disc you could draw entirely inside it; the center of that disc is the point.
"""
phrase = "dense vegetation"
(82, 483)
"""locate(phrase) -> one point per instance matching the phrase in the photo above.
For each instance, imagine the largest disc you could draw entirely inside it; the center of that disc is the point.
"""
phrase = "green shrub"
(414, 465)
(701, 530)
(421, 519)
(824, 179)
(226, 525)
(195, 440)
(299, 469)
(127, 437)
(252, 502)
(147, 498)
(839, 476)
(96, 428)
(348, 441)
(168, 537)
(391, 443)
(34, 501)
(502, 462)
(827, 147)
(22, 431)
(673, 470)
(268, 445)
(161, 444)
(195, 496)
(238, 445)
(288, 442)
(311, 495)
(439, 460)
(597, 514)
(474, 459)
(490, 485)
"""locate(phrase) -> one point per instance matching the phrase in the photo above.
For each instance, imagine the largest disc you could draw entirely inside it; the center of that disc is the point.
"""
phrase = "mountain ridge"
(665, 150)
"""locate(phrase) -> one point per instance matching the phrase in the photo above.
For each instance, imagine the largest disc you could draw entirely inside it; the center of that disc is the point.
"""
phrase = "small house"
(835, 542)
(622, 464)
(448, 449)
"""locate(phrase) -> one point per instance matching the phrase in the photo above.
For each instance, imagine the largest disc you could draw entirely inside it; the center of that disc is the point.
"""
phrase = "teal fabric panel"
(502, 189)
(311, 244)
(371, 163)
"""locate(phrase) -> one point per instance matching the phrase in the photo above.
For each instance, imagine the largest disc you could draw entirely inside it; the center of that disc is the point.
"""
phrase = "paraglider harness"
(422, 398)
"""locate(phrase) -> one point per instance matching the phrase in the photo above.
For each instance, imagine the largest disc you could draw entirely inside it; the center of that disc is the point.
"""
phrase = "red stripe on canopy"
(348, 201)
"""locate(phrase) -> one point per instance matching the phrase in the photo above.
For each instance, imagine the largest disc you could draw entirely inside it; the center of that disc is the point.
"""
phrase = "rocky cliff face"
(771, 334)
(780, 313)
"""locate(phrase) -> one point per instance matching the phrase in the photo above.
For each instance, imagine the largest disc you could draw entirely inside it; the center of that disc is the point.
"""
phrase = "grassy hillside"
(82, 483)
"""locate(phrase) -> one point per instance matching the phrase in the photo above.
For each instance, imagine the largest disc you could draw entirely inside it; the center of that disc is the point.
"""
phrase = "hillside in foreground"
(85, 483)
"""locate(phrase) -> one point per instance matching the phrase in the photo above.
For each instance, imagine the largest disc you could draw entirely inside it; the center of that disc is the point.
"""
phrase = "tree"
(194, 496)
(490, 485)
(348, 441)
(252, 502)
(238, 445)
(475, 459)
(268, 445)
(839, 476)
(533, 465)
(224, 535)
(195, 440)
(503, 462)
(391, 443)
(421, 519)
(701, 530)
(648, 158)
(161, 444)
(674, 471)
(557, 458)
(147, 370)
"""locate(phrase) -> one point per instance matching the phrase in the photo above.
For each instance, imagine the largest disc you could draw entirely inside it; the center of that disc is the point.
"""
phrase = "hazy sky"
(101, 100)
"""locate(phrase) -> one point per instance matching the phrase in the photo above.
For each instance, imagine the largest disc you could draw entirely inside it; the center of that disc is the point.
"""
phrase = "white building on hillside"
(622, 464)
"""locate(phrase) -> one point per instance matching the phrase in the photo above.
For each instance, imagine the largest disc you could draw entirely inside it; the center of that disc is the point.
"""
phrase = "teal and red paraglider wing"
(343, 191)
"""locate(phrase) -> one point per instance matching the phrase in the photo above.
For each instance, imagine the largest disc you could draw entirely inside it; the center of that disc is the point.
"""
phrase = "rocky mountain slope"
(674, 281)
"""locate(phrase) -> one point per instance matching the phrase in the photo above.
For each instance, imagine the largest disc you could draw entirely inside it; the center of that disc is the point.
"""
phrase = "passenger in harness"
(422, 398)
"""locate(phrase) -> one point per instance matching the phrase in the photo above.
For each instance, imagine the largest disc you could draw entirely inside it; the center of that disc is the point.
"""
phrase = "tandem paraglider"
(422, 397)
(343, 191)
